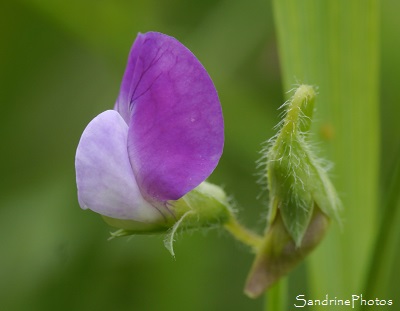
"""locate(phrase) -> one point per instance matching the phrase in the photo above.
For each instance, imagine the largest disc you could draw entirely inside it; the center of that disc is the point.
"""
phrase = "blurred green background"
(61, 65)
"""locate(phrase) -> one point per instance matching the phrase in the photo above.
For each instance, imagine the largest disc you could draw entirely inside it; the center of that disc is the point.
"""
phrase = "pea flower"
(163, 139)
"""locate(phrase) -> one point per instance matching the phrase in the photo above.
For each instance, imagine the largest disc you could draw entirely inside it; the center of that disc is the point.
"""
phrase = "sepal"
(297, 181)
(205, 206)
(279, 253)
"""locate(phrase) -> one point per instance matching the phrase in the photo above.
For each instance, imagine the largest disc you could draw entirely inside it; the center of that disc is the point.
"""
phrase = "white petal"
(104, 176)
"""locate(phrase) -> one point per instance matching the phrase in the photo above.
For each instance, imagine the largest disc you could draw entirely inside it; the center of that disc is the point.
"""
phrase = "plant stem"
(276, 297)
(242, 234)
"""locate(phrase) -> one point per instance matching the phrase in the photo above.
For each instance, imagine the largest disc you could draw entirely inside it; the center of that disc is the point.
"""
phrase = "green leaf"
(334, 44)
(383, 261)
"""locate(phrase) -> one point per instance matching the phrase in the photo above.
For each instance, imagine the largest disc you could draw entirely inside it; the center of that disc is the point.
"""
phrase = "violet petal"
(104, 176)
(122, 104)
(176, 134)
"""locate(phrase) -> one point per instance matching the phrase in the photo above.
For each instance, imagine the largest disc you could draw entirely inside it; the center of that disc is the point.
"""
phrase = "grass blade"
(334, 45)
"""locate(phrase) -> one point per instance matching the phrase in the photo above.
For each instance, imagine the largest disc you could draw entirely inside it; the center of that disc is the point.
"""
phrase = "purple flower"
(163, 138)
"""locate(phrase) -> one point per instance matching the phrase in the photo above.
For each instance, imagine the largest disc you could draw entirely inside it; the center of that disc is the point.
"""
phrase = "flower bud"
(296, 179)
(302, 198)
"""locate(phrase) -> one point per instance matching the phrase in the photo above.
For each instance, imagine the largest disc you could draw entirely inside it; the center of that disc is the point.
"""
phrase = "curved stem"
(242, 234)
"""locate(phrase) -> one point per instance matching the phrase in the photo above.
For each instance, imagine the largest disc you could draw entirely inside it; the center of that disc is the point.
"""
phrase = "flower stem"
(276, 297)
(242, 234)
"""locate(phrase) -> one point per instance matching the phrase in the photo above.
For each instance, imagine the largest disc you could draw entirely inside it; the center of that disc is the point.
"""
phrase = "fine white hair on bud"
(302, 199)
(296, 180)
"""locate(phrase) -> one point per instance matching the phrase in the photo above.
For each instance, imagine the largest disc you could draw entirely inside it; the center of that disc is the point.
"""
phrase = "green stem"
(382, 262)
(276, 297)
(242, 234)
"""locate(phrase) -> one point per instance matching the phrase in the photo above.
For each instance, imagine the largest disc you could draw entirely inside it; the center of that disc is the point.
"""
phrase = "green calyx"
(297, 182)
(208, 205)
(205, 206)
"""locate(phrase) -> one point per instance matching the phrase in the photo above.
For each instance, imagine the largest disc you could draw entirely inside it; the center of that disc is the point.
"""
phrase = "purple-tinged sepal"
(279, 253)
